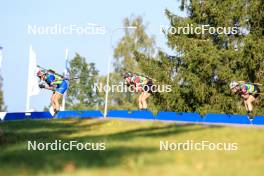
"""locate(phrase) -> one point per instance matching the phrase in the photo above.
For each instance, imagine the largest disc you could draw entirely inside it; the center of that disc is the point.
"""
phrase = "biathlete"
(52, 81)
(142, 85)
(248, 91)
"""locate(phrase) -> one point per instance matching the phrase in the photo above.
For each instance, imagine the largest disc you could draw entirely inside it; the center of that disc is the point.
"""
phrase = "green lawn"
(132, 148)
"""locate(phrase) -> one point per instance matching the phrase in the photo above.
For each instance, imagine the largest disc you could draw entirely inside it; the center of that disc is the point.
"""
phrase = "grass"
(132, 148)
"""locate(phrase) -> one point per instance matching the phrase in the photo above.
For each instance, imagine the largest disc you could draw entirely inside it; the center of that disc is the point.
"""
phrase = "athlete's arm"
(142, 81)
(50, 88)
(139, 87)
(138, 84)
(44, 85)
(56, 82)
(244, 90)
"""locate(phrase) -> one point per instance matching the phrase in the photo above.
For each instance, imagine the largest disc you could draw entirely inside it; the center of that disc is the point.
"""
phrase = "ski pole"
(73, 78)
(50, 70)
(257, 84)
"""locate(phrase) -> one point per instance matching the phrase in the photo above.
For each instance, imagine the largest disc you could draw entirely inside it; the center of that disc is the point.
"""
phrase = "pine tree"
(206, 63)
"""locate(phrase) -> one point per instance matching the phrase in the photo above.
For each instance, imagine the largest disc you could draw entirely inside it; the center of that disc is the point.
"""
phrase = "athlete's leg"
(145, 96)
(249, 102)
(140, 105)
(53, 101)
(245, 97)
(57, 97)
(245, 104)
(60, 90)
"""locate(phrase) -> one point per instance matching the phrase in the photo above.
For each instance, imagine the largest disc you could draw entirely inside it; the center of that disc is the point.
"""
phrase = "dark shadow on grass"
(49, 123)
(18, 133)
(57, 161)
(160, 131)
(44, 130)
(164, 131)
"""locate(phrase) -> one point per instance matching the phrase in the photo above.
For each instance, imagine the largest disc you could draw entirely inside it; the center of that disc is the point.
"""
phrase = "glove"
(42, 86)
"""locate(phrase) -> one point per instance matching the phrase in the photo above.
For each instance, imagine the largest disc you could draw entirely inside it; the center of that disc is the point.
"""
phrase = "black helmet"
(127, 74)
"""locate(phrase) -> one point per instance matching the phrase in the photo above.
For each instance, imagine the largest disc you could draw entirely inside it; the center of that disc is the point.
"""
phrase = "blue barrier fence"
(47, 115)
(130, 114)
(186, 117)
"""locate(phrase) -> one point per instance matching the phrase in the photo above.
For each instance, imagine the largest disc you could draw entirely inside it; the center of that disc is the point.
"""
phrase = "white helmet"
(233, 84)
